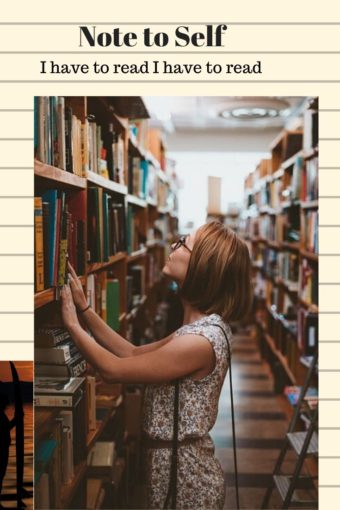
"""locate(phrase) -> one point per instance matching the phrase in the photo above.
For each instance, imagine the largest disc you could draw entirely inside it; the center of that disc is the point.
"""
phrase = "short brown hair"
(218, 279)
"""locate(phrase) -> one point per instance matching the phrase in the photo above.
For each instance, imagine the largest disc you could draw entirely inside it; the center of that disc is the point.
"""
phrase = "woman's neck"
(191, 314)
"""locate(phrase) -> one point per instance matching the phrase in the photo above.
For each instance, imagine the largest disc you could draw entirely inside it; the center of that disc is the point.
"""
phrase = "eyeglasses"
(179, 243)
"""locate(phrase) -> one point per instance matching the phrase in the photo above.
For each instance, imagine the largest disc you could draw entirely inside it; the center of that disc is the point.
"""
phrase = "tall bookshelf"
(280, 225)
(97, 160)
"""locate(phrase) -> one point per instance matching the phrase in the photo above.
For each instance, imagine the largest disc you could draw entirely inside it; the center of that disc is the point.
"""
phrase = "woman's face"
(177, 263)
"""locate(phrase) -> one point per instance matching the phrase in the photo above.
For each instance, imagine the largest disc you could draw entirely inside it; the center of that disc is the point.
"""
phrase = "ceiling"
(211, 113)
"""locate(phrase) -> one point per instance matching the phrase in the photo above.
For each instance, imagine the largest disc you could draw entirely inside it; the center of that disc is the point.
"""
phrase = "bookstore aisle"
(117, 181)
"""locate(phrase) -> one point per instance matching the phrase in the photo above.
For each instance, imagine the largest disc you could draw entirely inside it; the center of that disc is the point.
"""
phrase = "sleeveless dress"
(200, 480)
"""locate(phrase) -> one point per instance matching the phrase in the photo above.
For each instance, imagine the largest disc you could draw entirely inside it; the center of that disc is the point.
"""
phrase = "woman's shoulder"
(209, 325)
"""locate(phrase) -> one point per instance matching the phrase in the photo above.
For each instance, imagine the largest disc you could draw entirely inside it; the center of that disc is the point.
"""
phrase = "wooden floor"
(9, 493)
(260, 425)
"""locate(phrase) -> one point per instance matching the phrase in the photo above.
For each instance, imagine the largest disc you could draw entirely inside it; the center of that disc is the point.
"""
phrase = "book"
(46, 241)
(50, 336)
(293, 392)
(68, 139)
(50, 197)
(101, 458)
(58, 392)
(113, 303)
(39, 245)
(77, 209)
(91, 402)
(73, 368)
(67, 453)
(57, 355)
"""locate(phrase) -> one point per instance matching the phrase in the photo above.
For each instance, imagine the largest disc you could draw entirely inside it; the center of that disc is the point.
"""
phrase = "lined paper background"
(300, 53)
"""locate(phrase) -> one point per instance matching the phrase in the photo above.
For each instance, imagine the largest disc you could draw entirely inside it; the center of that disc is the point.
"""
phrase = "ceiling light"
(250, 113)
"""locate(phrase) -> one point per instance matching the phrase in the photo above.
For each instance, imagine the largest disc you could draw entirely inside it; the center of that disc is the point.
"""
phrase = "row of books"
(310, 129)
(310, 231)
(307, 328)
(104, 293)
(304, 183)
(106, 150)
(308, 283)
(106, 225)
(300, 185)
(135, 235)
(59, 137)
(59, 221)
(274, 263)
(64, 447)
(137, 176)
(63, 141)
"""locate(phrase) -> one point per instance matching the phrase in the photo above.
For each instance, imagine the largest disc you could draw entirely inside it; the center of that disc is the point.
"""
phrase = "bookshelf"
(280, 226)
(107, 197)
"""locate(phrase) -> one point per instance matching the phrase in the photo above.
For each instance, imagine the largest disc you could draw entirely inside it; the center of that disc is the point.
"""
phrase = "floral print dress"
(200, 481)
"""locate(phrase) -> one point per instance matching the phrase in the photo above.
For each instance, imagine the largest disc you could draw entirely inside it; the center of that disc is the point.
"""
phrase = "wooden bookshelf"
(94, 435)
(58, 177)
(100, 266)
(44, 297)
(116, 264)
(68, 490)
(107, 184)
(140, 202)
(281, 207)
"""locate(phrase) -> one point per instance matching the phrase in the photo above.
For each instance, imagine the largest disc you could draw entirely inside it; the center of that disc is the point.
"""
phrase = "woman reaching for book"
(212, 270)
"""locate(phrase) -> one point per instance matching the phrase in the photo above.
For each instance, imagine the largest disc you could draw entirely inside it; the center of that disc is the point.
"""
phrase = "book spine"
(53, 400)
(39, 245)
(56, 355)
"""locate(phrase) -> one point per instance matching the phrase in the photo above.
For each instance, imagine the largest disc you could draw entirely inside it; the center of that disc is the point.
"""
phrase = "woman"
(212, 270)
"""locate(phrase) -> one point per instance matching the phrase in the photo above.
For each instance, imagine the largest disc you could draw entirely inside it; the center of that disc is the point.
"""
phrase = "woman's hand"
(68, 310)
(77, 289)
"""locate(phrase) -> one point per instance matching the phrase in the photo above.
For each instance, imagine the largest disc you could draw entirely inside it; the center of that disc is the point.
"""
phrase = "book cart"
(280, 225)
(106, 198)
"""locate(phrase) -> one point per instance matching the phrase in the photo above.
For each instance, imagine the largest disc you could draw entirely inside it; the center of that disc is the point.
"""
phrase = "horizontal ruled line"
(329, 370)
(16, 226)
(16, 167)
(16, 254)
(329, 313)
(329, 196)
(16, 313)
(329, 283)
(17, 283)
(329, 226)
(329, 341)
(329, 254)
(172, 52)
(102, 82)
(246, 23)
(5, 110)
(329, 139)
(20, 196)
(329, 428)
(16, 341)
(16, 139)
(329, 399)
(329, 167)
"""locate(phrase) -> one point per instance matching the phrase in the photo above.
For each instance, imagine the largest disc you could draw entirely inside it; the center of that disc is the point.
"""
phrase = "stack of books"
(56, 355)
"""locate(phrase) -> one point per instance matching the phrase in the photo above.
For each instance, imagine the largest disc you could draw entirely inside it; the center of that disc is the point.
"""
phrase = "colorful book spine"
(112, 303)
(39, 245)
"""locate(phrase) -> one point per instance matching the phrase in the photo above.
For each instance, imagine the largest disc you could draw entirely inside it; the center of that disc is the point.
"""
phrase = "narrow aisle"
(260, 426)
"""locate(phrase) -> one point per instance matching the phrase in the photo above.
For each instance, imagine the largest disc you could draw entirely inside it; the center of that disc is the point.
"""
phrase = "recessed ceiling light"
(249, 113)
